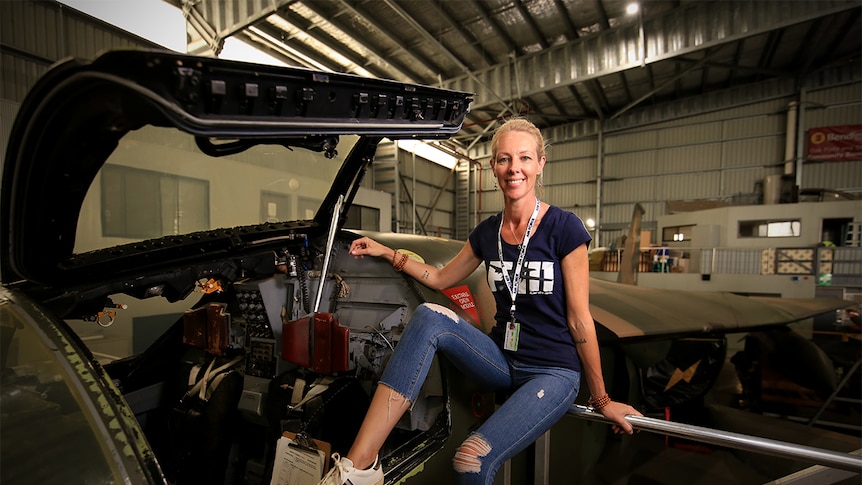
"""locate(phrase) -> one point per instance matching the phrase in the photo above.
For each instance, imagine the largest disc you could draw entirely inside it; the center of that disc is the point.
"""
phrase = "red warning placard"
(462, 297)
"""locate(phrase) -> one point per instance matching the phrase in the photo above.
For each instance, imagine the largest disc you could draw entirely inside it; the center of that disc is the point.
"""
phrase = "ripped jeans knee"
(434, 307)
(468, 456)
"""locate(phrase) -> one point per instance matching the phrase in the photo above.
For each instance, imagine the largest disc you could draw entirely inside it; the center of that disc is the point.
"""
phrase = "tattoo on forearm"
(580, 341)
(425, 275)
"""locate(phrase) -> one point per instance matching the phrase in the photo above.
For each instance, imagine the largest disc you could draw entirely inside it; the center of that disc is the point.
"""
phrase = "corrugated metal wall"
(434, 195)
(34, 35)
(831, 107)
(723, 154)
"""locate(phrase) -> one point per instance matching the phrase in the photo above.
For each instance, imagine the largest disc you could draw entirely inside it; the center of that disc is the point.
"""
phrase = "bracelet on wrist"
(599, 402)
(398, 264)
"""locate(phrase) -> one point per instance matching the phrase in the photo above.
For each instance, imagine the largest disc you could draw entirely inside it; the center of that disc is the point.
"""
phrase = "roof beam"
(372, 21)
(499, 31)
(668, 35)
(431, 39)
(290, 55)
(214, 23)
(397, 70)
(836, 44)
(288, 21)
(471, 39)
(674, 79)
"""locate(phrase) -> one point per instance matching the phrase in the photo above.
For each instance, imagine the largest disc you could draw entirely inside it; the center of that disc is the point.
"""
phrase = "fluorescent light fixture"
(428, 152)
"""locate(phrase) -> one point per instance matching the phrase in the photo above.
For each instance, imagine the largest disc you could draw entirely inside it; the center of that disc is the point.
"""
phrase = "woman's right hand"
(617, 412)
(365, 246)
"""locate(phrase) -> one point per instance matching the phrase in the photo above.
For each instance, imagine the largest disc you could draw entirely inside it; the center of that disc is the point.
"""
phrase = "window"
(676, 234)
(143, 204)
(362, 218)
(274, 207)
(786, 228)
(308, 207)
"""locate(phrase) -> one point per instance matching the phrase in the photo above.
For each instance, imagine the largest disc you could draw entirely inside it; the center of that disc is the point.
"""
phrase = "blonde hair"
(518, 124)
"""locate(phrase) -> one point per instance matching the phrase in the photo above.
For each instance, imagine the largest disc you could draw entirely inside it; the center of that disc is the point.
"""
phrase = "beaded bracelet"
(399, 264)
(599, 402)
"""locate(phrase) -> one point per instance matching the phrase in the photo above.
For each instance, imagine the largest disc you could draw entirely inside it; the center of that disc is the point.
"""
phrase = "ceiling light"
(591, 223)
(632, 8)
(428, 152)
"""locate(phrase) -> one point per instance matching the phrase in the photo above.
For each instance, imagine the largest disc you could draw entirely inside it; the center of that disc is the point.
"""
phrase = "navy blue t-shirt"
(541, 299)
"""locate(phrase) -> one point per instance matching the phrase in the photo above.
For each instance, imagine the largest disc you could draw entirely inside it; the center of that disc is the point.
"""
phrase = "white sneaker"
(344, 473)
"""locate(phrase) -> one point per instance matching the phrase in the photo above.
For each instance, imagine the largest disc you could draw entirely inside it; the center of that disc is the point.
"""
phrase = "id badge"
(513, 330)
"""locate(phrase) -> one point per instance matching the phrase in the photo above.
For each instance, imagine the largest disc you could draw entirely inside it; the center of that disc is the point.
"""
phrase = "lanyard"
(513, 281)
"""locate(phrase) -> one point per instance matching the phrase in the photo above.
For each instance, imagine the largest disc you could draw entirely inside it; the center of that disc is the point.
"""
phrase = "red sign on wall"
(835, 143)
(461, 296)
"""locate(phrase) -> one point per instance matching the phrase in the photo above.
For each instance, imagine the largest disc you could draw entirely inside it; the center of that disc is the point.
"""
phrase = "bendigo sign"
(834, 143)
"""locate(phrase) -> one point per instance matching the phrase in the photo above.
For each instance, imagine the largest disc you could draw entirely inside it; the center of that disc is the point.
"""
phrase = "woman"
(544, 338)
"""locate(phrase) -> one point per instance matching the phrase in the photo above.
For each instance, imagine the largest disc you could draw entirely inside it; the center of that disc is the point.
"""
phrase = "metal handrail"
(738, 441)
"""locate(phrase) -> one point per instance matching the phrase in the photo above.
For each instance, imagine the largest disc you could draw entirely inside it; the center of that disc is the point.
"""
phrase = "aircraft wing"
(628, 311)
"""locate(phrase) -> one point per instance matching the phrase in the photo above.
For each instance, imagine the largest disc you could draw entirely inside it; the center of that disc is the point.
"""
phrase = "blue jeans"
(540, 396)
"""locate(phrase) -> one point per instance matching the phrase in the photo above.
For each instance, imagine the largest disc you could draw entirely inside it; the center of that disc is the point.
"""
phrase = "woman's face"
(517, 164)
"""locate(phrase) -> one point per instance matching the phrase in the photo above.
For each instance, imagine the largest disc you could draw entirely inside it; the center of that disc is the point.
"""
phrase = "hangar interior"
(679, 108)
(682, 101)
(689, 120)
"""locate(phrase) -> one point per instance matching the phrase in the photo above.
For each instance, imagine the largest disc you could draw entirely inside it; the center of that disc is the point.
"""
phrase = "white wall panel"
(570, 195)
(689, 158)
(629, 190)
(425, 195)
(833, 96)
(774, 106)
(630, 164)
(620, 215)
(771, 124)
(846, 114)
(766, 150)
(641, 140)
(17, 77)
(688, 186)
(480, 152)
(583, 212)
(570, 171)
(487, 182)
(689, 134)
(565, 149)
(491, 202)
(837, 175)
(743, 181)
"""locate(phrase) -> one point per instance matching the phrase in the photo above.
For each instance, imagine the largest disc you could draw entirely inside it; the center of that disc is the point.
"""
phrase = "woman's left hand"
(365, 246)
